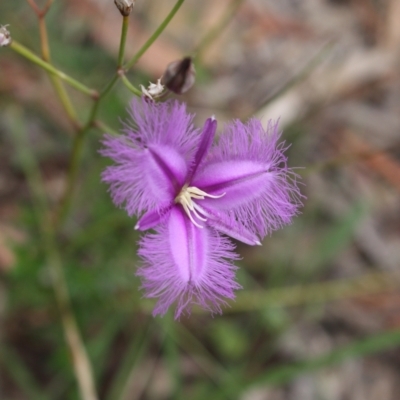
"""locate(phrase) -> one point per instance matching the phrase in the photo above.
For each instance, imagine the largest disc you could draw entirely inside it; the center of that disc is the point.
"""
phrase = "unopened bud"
(5, 36)
(180, 75)
(125, 7)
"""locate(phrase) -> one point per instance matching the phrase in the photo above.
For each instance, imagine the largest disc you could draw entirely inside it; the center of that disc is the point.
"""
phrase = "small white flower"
(5, 36)
(125, 6)
(154, 90)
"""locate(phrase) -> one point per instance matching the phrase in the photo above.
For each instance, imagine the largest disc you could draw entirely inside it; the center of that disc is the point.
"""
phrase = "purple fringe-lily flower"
(190, 190)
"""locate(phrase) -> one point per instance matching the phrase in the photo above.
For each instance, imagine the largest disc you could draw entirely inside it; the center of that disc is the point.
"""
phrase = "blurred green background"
(319, 315)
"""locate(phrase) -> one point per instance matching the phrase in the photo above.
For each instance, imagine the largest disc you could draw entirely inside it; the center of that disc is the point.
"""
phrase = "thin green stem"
(129, 85)
(65, 100)
(105, 128)
(212, 34)
(23, 51)
(55, 80)
(44, 41)
(202, 356)
(299, 75)
(282, 374)
(107, 88)
(127, 368)
(172, 355)
(46, 7)
(44, 44)
(345, 159)
(34, 6)
(21, 374)
(154, 36)
(80, 359)
(125, 24)
(65, 203)
(316, 293)
(300, 295)
(77, 147)
(40, 12)
(355, 349)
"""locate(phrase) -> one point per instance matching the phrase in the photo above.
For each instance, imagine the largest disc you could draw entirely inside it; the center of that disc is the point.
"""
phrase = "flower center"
(191, 208)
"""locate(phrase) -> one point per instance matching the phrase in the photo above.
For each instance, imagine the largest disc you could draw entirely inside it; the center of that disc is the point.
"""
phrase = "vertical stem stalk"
(66, 200)
(57, 84)
(154, 36)
(80, 360)
(214, 32)
(124, 31)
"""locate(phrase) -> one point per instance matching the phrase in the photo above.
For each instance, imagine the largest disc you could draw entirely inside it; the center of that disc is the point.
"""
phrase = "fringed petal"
(153, 218)
(227, 224)
(206, 140)
(142, 179)
(166, 123)
(241, 181)
(152, 157)
(249, 166)
(187, 265)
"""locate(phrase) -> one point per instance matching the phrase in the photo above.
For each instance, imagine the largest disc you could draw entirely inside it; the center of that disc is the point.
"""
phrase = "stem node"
(95, 95)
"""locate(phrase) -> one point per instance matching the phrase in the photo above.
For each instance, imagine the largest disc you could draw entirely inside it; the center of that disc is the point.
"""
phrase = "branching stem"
(154, 36)
(79, 138)
(23, 51)
(129, 85)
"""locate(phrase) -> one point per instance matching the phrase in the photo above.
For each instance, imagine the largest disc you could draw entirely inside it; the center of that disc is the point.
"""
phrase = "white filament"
(192, 209)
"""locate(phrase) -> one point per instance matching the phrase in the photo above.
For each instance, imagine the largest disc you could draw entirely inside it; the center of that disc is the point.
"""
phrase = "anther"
(192, 209)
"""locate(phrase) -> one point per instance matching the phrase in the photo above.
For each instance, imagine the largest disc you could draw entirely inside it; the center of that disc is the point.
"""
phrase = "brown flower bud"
(180, 75)
(125, 6)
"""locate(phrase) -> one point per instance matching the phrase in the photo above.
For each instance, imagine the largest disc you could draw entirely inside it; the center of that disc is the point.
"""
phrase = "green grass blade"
(357, 349)
(21, 374)
(133, 355)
